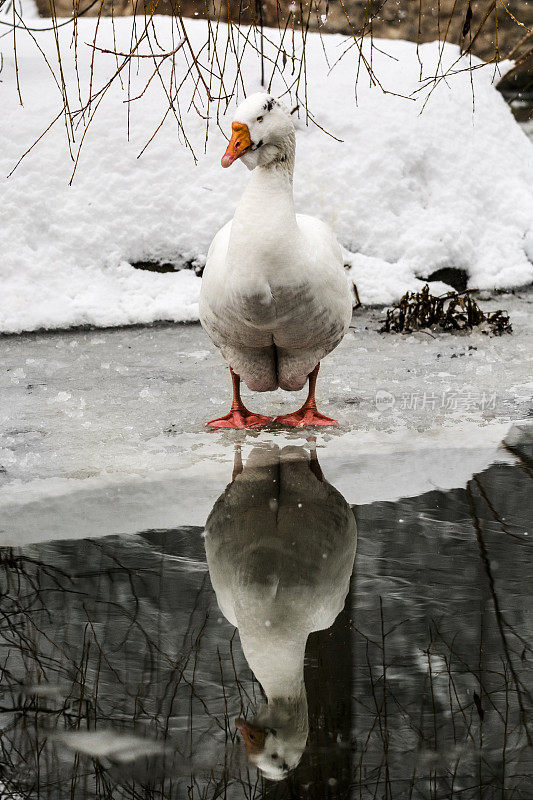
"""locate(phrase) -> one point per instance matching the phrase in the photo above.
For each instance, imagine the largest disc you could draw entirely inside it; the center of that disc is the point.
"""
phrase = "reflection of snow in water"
(112, 745)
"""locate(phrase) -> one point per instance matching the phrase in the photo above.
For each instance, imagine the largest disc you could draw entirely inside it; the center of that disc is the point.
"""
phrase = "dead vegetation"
(202, 77)
(453, 311)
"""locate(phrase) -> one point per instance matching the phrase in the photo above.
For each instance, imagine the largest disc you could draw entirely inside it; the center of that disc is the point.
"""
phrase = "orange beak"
(239, 143)
(254, 736)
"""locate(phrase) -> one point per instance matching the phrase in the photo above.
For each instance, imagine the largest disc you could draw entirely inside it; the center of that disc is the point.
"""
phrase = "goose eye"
(260, 119)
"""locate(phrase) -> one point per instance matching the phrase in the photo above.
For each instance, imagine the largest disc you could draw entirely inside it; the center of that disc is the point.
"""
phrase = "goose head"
(262, 133)
(276, 739)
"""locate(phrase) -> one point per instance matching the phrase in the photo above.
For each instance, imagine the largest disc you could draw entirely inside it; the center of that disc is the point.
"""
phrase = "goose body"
(280, 545)
(274, 299)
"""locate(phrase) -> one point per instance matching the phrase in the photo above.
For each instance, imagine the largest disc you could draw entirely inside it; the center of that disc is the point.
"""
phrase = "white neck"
(277, 662)
(266, 207)
(288, 713)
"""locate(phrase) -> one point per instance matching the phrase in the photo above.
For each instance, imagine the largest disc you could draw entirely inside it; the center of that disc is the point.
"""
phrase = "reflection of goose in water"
(280, 546)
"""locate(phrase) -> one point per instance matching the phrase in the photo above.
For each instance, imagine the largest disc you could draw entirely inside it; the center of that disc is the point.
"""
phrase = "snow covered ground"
(406, 192)
(103, 432)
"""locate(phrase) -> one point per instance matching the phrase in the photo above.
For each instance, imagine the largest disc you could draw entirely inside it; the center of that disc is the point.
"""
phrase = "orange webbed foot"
(240, 419)
(304, 418)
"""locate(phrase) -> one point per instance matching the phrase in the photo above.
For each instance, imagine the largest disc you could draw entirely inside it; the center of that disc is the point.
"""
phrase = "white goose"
(280, 545)
(275, 299)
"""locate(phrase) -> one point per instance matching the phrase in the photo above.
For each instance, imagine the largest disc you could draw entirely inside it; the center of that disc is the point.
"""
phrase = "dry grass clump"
(453, 311)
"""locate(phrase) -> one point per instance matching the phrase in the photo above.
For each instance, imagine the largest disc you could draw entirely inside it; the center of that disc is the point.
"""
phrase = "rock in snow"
(406, 192)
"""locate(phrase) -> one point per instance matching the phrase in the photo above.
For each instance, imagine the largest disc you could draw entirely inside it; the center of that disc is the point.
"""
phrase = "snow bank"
(406, 193)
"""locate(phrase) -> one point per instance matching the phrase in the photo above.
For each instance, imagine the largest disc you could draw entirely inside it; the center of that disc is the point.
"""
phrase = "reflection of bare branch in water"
(520, 689)
(465, 731)
(422, 690)
(112, 661)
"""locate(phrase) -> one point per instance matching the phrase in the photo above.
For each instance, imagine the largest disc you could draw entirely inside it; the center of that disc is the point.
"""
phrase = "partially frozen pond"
(355, 604)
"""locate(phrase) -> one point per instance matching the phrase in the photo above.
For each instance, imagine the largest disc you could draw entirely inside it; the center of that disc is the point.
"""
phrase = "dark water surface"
(405, 673)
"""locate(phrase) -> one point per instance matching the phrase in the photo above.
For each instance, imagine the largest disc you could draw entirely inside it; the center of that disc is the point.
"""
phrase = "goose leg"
(307, 414)
(237, 462)
(314, 464)
(239, 416)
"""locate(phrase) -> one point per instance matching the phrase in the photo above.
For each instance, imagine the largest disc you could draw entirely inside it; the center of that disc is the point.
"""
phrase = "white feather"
(275, 298)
